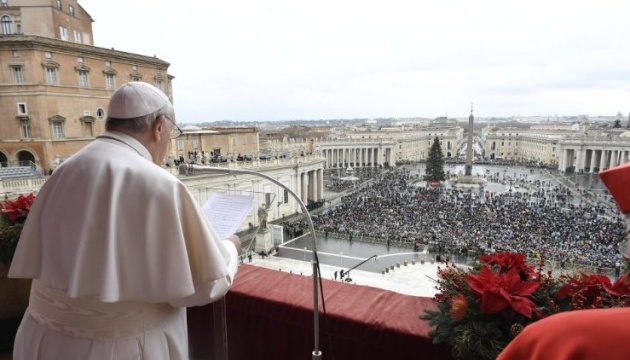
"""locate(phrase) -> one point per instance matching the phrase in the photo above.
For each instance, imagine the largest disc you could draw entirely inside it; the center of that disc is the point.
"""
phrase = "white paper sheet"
(226, 212)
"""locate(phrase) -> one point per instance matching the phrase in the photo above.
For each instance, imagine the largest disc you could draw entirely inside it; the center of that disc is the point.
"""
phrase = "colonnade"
(592, 160)
(310, 185)
(358, 156)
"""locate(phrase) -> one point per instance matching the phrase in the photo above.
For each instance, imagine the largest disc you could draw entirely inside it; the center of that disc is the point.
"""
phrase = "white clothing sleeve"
(212, 291)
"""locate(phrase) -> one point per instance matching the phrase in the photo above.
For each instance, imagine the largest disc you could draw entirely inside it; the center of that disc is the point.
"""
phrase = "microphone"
(198, 169)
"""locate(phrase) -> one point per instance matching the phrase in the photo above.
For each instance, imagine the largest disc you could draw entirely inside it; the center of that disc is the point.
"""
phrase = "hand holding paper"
(226, 212)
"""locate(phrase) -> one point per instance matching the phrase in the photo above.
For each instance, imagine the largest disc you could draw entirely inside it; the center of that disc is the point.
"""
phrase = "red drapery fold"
(270, 316)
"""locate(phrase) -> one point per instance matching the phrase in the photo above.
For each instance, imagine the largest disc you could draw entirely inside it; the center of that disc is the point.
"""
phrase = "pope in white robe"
(117, 249)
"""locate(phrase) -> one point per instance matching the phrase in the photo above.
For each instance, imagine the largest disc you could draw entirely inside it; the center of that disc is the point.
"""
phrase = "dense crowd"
(455, 221)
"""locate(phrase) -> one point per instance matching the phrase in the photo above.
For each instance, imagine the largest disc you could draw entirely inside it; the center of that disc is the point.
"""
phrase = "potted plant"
(482, 308)
(14, 293)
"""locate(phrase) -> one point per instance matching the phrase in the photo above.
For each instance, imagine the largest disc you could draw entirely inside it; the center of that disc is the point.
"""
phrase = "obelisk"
(469, 150)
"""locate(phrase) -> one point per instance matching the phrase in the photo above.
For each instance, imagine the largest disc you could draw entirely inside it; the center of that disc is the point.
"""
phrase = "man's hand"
(237, 242)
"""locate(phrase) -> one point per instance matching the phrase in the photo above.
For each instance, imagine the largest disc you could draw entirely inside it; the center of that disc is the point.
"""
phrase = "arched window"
(7, 25)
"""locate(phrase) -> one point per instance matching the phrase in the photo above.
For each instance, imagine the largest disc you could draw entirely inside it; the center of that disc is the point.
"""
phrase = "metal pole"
(316, 354)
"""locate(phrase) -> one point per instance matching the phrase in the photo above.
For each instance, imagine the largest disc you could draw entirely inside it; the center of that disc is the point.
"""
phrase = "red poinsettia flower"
(499, 291)
(506, 261)
(620, 287)
(17, 210)
(590, 286)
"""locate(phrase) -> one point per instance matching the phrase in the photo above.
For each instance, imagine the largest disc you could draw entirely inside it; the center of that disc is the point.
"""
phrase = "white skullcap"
(134, 99)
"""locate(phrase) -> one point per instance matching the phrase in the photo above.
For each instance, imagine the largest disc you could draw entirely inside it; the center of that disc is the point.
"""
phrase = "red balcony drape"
(270, 316)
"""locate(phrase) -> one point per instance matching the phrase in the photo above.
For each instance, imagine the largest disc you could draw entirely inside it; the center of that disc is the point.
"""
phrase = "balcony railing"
(270, 316)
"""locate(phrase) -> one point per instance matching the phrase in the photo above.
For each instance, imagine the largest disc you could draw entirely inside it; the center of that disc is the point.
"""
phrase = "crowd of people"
(455, 221)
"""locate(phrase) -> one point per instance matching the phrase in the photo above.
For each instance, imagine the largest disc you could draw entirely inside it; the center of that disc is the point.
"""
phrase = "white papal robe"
(118, 248)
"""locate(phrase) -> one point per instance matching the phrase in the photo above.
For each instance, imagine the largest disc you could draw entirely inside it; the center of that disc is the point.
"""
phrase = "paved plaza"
(411, 279)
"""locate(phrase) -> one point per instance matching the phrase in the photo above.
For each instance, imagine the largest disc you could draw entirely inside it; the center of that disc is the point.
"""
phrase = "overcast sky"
(329, 59)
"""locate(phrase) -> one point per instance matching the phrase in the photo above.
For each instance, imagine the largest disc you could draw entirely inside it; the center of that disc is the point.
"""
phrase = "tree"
(435, 162)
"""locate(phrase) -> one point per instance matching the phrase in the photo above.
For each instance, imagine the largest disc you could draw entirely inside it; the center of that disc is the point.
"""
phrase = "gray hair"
(135, 125)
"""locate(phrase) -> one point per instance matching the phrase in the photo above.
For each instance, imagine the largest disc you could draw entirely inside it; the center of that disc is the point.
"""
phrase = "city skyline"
(285, 60)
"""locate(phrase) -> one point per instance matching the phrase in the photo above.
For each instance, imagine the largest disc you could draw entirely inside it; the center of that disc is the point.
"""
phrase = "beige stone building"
(55, 84)
(567, 147)
(212, 143)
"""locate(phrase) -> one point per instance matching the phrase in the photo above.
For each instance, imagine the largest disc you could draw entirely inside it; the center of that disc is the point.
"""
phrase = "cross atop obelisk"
(469, 150)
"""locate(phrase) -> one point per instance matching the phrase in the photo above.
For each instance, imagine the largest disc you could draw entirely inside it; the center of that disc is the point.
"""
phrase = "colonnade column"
(618, 157)
(304, 189)
(592, 165)
(320, 184)
(309, 176)
(563, 159)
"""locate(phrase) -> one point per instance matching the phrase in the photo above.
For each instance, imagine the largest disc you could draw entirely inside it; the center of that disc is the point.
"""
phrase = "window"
(180, 144)
(71, 8)
(108, 64)
(100, 113)
(57, 130)
(4, 3)
(83, 79)
(18, 74)
(15, 53)
(59, 5)
(21, 108)
(77, 37)
(109, 82)
(26, 129)
(80, 59)
(195, 144)
(160, 85)
(286, 196)
(48, 55)
(63, 33)
(135, 75)
(51, 76)
(7, 25)
(88, 129)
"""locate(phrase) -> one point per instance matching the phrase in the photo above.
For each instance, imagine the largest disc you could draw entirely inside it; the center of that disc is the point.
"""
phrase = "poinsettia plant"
(13, 214)
(483, 307)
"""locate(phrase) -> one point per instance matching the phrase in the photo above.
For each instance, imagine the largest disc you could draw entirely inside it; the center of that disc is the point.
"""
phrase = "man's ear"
(157, 127)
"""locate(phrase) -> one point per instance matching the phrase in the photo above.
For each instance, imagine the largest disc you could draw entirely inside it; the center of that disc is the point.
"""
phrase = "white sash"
(94, 319)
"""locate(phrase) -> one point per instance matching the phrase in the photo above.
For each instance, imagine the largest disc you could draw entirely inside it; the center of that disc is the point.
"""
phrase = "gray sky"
(329, 59)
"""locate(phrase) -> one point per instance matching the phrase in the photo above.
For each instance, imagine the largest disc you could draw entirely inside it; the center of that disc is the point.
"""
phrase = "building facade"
(215, 144)
(567, 147)
(55, 84)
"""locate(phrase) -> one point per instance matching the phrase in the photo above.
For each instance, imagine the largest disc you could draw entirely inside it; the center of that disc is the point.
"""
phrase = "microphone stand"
(357, 265)
(316, 354)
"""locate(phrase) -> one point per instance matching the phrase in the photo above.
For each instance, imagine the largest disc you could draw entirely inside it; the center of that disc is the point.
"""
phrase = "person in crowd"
(581, 334)
(117, 247)
(533, 223)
